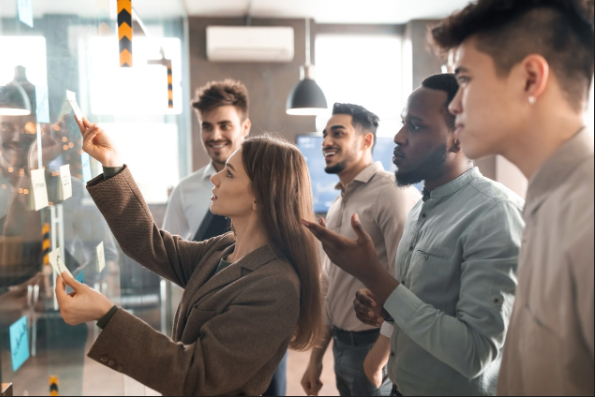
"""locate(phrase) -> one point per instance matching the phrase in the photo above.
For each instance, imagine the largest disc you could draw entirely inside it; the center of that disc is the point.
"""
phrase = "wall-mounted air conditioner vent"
(250, 44)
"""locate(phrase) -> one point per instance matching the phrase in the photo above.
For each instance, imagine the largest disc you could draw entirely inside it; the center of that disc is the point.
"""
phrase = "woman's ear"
(454, 144)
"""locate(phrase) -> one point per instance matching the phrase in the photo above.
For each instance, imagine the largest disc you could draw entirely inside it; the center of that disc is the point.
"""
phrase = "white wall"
(511, 177)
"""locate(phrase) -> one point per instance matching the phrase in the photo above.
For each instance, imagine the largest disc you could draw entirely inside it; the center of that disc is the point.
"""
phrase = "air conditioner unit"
(250, 44)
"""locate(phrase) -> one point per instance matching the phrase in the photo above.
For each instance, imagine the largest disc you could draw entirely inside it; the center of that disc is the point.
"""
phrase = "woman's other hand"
(81, 306)
(99, 145)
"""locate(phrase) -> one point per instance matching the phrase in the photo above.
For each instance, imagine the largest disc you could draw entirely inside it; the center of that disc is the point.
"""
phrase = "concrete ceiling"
(329, 11)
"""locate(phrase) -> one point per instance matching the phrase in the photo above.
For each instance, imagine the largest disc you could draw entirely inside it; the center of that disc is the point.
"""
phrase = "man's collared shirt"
(457, 264)
(189, 203)
(549, 350)
(382, 207)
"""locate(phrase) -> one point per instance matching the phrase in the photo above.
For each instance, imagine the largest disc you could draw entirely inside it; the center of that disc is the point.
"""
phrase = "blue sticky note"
(80, 277)
(86, 164)
(43, 104)
(25, 12)
(19, 343)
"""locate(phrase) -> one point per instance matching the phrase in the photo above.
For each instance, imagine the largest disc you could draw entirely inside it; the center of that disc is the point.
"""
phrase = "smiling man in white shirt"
(222, 110)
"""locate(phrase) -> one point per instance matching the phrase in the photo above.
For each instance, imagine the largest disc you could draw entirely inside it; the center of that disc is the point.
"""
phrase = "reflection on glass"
(73, 46)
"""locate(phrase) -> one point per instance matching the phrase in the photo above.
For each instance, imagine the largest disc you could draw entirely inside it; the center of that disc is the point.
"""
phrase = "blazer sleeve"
(130, 220)
(231, 349)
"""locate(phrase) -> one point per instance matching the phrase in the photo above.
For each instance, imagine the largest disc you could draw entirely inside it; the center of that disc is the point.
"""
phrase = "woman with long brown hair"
(248, 295)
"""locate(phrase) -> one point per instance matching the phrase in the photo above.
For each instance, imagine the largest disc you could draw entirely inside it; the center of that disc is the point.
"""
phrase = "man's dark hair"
(510, 30)
(363, 120)
(222, 93)
(449, 84)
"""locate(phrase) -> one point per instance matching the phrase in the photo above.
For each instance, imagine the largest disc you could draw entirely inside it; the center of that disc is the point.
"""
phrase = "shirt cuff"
(110, 172)
(107, 318)
(402, 305)
(387, 330)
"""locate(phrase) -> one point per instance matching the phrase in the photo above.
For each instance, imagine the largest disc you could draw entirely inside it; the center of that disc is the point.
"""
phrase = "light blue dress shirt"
(457, 264)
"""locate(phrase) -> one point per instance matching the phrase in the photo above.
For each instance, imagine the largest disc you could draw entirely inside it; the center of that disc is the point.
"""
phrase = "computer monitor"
(323, 184)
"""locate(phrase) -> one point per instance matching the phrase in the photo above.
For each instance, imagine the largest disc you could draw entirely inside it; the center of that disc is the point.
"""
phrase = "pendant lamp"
(307, 98)
(14, 100)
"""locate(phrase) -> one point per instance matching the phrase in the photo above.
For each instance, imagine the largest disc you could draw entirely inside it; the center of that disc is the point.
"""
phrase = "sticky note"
(81, 277)
(43, 104)
(39, 190)
(25, 12)
(86, 164)
(19, 343)
(65, 182)
(71, 97)
(100, 258)
(58, 264)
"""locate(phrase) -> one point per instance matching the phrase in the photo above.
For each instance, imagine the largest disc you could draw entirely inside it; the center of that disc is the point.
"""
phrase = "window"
(364, 70)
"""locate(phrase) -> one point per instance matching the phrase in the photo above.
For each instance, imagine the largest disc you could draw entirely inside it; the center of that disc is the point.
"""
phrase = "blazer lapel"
(233, 273)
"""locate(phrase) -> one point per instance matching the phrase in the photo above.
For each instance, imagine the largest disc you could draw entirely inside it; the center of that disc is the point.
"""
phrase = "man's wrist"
(381, 283)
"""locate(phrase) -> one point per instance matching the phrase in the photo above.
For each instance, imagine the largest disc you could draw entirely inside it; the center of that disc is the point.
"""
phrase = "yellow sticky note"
(65, 182)
(100, 258)
(39, 190)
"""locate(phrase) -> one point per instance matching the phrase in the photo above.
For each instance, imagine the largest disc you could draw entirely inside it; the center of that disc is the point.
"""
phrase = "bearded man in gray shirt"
(452, 295)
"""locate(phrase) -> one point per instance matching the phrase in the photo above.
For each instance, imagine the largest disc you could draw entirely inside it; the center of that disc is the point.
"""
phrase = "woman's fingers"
(71, 282)
(61, 295)
(81, 125)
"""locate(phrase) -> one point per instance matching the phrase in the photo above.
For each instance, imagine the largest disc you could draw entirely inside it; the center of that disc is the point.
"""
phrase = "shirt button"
(120, 368)
(411, 249)
(424, 216)
(104, 360)
(392, 354)
(112, 363)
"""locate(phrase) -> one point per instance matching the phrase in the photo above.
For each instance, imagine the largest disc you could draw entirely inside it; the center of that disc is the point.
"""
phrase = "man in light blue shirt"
(455, 282)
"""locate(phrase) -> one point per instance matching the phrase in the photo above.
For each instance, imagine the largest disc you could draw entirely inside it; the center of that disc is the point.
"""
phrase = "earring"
(532, 100)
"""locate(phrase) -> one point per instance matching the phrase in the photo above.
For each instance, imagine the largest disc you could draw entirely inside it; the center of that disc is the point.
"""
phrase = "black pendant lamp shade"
(307, 98)
(14, 100)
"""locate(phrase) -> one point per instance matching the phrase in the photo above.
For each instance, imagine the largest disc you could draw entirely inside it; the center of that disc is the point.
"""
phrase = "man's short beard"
(431, 169)
(336, 169)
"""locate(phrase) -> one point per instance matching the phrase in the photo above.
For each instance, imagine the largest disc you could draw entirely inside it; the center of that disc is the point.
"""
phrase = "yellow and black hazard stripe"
(46, 244)
(54, 386)
(125, 32)
(170, 85)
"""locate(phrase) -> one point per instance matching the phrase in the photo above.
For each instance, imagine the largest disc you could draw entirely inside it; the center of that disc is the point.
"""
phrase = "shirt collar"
(366, 175)
(209, 171)
(454, 186)
(557, 169)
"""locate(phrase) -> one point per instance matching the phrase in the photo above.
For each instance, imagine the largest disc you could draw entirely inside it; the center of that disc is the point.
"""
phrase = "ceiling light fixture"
(307, 98)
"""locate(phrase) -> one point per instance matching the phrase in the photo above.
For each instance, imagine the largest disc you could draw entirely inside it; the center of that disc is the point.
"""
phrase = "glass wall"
(50, 53)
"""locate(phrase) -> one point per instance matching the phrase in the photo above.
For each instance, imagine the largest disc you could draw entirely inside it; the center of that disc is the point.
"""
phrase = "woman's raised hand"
(98, 144)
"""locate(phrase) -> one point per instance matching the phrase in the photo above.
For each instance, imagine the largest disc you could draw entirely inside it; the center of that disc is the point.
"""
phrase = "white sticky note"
(39, 190)
(71, 97)
(43, 104)
(100, 258)
(86, 164)
(65, 182)
(25, 12)
(58, 264)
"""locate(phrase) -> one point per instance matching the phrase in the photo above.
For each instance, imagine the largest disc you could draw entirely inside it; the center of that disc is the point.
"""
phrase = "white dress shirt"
(189, 203)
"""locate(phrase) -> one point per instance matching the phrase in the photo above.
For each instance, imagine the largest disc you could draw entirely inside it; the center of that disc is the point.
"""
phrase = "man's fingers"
(365, 297)
(356, 224)
(320, 232)
(322, 222)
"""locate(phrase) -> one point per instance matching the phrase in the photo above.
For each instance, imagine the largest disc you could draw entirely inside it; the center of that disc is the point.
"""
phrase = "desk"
(6, 390)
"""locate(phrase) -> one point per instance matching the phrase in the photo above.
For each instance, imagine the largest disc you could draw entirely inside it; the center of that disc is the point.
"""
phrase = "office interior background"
(372, 53)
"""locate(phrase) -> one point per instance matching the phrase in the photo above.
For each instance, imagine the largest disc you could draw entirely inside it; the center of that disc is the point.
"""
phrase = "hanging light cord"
(308, 44)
